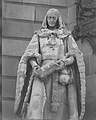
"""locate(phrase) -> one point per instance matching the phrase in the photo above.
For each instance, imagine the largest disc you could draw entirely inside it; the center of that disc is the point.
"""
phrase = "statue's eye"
(50, 17)
(54, 18)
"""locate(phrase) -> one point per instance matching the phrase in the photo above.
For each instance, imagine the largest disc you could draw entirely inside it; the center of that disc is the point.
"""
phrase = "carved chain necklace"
(52, 40)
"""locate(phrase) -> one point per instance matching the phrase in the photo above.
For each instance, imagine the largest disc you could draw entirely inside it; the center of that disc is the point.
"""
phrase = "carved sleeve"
(72, 47)
(32, 51)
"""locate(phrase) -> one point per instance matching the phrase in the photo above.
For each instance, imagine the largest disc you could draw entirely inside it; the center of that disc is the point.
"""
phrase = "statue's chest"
(51, 46)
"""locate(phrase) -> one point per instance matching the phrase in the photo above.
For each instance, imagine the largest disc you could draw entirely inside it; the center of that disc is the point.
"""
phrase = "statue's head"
(53, 20)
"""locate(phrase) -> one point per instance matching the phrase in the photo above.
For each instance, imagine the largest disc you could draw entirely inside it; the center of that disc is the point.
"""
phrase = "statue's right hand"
(35, 69)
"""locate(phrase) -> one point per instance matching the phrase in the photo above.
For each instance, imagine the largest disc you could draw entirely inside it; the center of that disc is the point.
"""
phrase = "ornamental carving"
(86, 22)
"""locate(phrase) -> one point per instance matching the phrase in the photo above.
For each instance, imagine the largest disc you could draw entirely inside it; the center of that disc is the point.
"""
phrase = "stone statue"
(51, 74)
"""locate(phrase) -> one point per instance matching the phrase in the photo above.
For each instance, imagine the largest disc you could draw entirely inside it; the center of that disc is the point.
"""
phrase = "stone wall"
(20, 18)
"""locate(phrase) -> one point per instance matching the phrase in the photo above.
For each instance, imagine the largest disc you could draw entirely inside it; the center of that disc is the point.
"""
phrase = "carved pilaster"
(86, 22)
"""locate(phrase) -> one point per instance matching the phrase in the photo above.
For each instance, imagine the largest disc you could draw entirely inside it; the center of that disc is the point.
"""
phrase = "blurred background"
(20, 18)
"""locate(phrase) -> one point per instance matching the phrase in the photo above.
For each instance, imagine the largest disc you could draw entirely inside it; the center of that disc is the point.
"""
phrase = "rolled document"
(47, 69)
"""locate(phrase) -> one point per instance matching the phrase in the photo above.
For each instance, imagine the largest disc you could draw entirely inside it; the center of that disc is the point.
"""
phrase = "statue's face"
(52, 18)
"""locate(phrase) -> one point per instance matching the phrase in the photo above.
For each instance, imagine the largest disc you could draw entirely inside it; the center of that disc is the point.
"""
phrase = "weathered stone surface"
(45, 2)
(64, 15)
(8, 87)
(19, 29)
(9, 66)
(71, 26)
(90, 64)
(87, 68)
(14, 47)
(18, 11)
(91, 86)
(89, 2)
(85, 47)
(89, 27)
(12, 0)
(11, 118)
(90, 111)
(59, 2)
(6, 119)
(70, 2)
(90, 58)
(48, 2)
(41, 12)
(8, 109)
(22, 28)
(71, 14)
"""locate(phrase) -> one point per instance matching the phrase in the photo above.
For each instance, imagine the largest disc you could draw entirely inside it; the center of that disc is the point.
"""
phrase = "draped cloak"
(25, 73)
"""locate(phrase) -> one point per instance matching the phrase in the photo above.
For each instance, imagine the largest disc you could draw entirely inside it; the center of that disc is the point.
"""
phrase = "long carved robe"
(34, 96)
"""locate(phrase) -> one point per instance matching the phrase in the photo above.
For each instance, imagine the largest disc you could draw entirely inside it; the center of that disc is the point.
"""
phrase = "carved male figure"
(51, 74)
